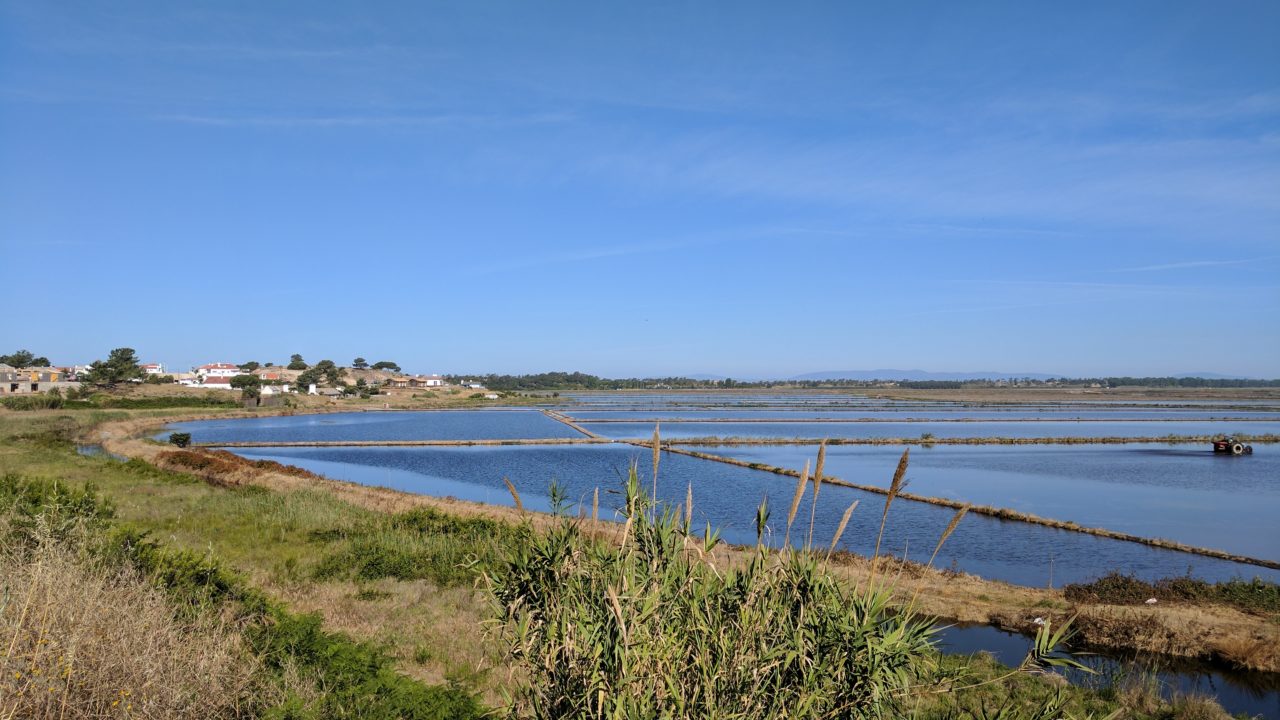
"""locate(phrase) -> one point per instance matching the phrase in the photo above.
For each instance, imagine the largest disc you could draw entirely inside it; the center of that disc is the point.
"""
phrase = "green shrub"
(360, 679)
(51, 400)
(653, 629)
(180, 439)
(104, 400)
(418, 544)
(1256, 595)
(49, 508)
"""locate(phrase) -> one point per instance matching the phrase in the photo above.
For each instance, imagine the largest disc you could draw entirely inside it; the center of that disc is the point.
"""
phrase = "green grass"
(414, 545)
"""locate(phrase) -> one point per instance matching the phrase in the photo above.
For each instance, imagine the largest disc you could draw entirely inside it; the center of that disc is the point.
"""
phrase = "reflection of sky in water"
(337, 427)
(727, 496)
(817, 430)
(1251, 693)
(953, 414)
(1183, 492)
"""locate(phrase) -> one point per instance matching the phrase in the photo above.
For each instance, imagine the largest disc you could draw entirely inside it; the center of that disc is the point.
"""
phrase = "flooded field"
(727, 496)
(495, 424)
(954, 414)
(1152, 489)
(1179, 492)
(977, 429)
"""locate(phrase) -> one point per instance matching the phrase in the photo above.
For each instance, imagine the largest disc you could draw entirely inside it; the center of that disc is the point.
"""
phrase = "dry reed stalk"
(951, 527)
(657, 456)
(894, 488)
(595, 505)
(840, 528)
(514, 495)
(688, 507)
(795, 500)
(817, 486)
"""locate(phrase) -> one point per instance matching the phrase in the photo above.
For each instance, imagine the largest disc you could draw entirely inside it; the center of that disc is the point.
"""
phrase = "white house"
(152, 368)
(432, 381)
(217, 382)
(274, 389)
(217, 370)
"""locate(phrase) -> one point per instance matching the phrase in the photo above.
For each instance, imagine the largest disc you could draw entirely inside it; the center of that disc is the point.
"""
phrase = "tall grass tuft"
(654, 629)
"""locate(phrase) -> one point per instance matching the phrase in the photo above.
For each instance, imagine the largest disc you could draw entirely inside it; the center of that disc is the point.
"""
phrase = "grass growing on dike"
(198, 600)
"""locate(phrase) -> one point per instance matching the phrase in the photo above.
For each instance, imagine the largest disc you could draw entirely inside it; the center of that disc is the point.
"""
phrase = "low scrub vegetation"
(418, 544)
(96, 401)
(157, 633)
(1254, 596)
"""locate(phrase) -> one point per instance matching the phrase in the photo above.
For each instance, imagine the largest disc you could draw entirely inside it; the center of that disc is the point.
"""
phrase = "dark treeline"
(1186, 382)
(555, 381)
(577, 381)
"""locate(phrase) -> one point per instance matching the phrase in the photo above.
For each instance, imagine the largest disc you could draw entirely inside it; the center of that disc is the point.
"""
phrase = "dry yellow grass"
(82, 641)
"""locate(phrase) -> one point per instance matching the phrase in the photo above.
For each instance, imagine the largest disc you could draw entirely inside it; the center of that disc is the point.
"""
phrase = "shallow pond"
(496, 424)
(726, 496)
(1179, 492)
(1254, 694)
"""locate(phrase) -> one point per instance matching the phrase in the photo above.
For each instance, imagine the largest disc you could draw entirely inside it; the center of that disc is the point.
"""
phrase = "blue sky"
(646, 188)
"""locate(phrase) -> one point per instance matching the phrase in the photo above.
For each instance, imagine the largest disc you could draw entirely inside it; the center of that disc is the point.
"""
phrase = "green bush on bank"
(54, 400)
(1255, 596)
(422, 543)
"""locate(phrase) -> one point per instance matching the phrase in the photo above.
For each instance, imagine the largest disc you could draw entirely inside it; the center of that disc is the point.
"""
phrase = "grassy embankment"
(383, 567)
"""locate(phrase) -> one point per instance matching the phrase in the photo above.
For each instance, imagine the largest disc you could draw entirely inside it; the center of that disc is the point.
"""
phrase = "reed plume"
(688, 507)
(817, 486)
(514, 495)
(795, 501)
(840, 528)
(657, 456)
(894, 488)
(951, 527)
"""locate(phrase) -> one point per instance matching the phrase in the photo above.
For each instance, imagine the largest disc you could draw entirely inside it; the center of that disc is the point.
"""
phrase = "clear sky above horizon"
(646, 189)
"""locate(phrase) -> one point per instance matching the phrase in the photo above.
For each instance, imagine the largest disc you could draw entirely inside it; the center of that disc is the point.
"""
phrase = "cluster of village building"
(216, 376)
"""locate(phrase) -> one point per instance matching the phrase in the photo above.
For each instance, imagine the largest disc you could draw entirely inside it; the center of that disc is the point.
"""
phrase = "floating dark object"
(1232, 446)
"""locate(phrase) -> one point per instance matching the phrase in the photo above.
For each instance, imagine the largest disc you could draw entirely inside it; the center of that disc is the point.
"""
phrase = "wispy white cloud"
(1190, 264)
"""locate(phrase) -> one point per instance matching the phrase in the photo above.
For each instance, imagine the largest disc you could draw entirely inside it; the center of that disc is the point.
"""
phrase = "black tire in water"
(1248, 449)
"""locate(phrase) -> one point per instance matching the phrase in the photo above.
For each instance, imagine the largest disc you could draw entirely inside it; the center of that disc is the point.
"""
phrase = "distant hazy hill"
(891, 374)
